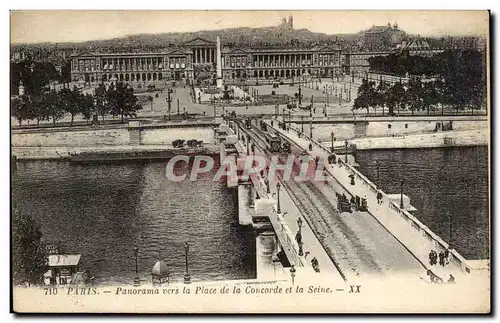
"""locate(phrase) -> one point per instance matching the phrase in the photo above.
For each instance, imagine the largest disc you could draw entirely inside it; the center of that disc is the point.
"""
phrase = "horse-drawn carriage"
(179, 143)
(194, 143)
(343, 204)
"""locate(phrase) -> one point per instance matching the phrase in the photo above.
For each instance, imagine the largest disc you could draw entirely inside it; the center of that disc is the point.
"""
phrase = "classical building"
(182, 63)
(280, 63)
(357, 62)
(383, 36)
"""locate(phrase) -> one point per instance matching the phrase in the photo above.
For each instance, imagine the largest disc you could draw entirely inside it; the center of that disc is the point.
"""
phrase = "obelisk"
(219, 64)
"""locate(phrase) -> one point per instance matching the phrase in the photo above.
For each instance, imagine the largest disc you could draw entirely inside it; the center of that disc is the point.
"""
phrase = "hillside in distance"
(243, 36)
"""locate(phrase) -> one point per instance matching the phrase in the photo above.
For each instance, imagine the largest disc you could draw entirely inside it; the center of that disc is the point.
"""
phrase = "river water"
(103, 211)
(440, 182)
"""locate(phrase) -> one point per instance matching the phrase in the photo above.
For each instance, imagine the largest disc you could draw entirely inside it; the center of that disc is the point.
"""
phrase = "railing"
(439, 243)
(280, 227)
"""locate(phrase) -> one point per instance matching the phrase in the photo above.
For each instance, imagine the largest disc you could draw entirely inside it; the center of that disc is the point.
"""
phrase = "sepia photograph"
(246, 161)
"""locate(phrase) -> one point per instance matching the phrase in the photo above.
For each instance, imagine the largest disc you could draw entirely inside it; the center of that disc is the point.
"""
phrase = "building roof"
(198, 41)
(64, 260)
(378, 29)
(417, 44)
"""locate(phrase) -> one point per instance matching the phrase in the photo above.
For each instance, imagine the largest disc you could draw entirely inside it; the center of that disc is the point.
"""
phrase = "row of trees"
(416, 95)
(451, 78)
(447, 64)
(115, 100)
(36, 76)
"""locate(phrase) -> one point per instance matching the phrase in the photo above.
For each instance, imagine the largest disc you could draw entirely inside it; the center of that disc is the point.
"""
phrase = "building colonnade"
(203, 55)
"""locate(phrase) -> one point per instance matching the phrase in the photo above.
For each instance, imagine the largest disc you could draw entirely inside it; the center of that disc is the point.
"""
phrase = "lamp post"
(302, 123)
(187, 278)
(401, 204)
(333, 139)
(169, 101)
(377, 163)
(292, 273)
(345, 151)
(289, 119)
(177, 106)
(137, 280)
(284, 120)
(278, 186)
(311, 129)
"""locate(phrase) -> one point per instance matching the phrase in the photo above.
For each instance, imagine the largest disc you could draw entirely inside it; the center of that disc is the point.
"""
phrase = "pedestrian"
(379, 197)
(447, 256)
(441, 258)
(430, 257)
(451, 280)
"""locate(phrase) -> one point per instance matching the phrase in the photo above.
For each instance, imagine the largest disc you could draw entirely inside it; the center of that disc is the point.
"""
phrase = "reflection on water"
(103, 211)
(440, 181)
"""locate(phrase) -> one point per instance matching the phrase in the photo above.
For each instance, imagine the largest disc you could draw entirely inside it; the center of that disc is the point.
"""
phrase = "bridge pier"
(245, 204)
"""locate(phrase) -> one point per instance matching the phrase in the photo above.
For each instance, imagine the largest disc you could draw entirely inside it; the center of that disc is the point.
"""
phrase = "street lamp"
(292, 273)
(333, 139)
(187, 278)
(345, 151)
(401, 204)
(137, 280)
(278, 186)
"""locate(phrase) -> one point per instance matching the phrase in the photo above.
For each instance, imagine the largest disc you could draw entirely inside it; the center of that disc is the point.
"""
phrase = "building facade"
(199, 54)
(357, 62)
(280, 63)
(175, 64)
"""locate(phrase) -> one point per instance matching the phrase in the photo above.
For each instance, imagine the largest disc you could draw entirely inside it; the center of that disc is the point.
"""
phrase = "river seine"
(440, 182)
(104, 211)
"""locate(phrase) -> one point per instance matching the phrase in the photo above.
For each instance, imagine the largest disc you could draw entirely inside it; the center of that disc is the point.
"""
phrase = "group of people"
(443, 257)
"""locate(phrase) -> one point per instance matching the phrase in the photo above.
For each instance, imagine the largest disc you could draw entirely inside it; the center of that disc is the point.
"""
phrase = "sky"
(80, 25)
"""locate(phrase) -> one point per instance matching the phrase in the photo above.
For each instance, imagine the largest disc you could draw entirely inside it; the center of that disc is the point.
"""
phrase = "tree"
(366, 96)
(430, 96)
(86, 106)
(414, 95)
(123, 101)
(382, 95)
(29, 260)
(100, 96)
(396, 97)
(54, 106)
(17, 109)
(69, 100)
